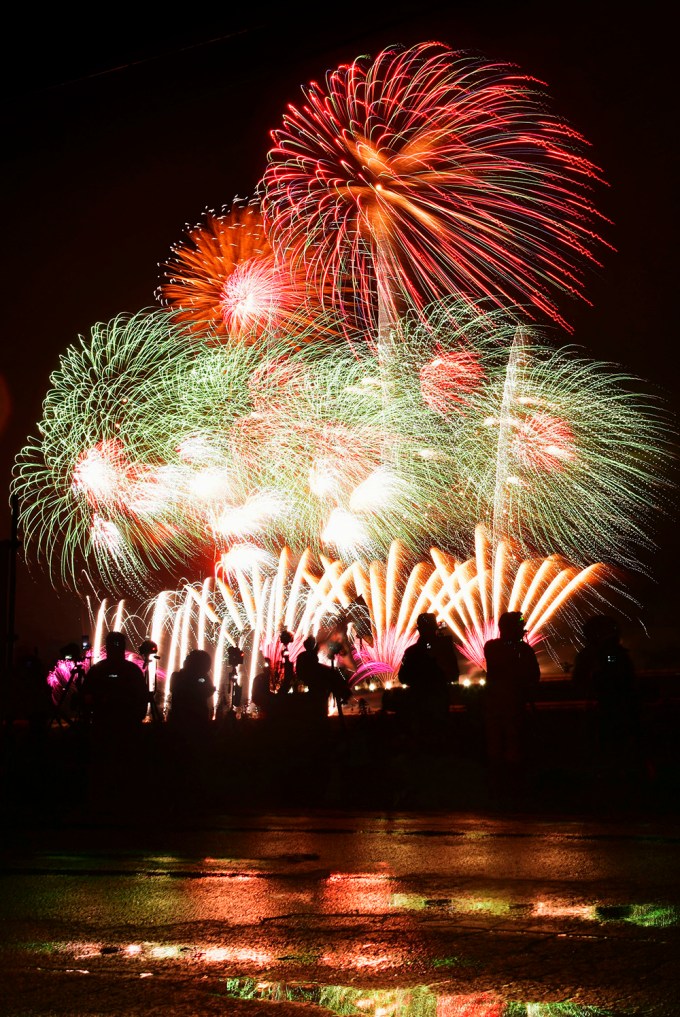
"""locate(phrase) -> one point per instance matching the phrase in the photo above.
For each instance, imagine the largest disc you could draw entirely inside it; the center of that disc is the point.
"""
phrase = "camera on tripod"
(286, 638)
(234, 656)
(72, 652)
(148, 649)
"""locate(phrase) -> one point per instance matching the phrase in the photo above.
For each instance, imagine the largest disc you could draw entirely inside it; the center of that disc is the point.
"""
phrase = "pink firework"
(472, 647)
(427, 172)
(382, 657)
(543, 442)
(448, 377)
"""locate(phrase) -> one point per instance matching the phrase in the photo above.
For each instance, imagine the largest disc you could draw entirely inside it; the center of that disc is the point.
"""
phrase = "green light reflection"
(417, 1001)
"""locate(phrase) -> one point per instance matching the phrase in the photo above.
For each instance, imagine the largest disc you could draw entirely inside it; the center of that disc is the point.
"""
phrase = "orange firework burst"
(224, 279)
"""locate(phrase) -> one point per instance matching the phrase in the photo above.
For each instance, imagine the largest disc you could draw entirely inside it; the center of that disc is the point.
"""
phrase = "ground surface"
(371, 868)
(389, 915)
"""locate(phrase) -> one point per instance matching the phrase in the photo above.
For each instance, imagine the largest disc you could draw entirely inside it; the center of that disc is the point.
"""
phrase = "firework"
(542, 445)
(474, 594)
(93, 489)
(369, 608)
(251, 599)
(155, 449)
(224, 281)
(426, 172)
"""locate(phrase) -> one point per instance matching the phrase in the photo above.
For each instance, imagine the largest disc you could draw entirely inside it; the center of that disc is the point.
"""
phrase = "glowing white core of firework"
(210, 484)
(375, 491)
(249, 292)
(245, 557)
(324, 479)
(244, 520)
(344, 531)
(106, 535)
(95, 475)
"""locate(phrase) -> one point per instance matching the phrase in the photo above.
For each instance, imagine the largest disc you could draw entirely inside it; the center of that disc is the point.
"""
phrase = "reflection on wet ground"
(656, 915)
(209, 890)
(356, 922)
(416, 1001)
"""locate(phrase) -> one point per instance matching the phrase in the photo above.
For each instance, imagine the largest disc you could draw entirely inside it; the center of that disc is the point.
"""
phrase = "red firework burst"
(543, 442)
(427, 172)
(225, 279)
(445, 380)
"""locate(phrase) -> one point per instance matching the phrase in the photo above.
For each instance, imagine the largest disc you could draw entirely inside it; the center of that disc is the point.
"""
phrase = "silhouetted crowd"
(294, 701)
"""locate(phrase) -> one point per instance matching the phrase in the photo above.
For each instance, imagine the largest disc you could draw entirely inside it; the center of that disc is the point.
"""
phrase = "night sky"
(119, 133)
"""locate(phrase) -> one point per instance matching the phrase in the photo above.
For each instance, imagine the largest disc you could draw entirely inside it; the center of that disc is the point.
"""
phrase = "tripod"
(287, 672)
(336, 679)
(229, 698)
(74, 683)
(153, 705)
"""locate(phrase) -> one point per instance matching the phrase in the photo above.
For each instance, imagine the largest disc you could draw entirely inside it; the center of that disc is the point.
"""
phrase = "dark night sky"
(119, 133)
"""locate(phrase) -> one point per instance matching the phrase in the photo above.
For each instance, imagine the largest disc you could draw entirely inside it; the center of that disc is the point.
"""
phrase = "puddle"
(644, 915)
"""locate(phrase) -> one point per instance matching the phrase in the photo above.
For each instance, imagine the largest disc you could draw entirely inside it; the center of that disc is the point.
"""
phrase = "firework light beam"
(426, 172)
(250, 600)
(475, 593)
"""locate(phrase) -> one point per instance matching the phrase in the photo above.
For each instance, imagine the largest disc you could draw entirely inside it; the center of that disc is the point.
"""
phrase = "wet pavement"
(380, 915)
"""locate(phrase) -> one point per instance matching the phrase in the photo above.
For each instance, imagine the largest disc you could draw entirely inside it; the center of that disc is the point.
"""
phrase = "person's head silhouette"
(115, 645)
(198, 662)
(427, 625)
(600, 628)
(511, 626)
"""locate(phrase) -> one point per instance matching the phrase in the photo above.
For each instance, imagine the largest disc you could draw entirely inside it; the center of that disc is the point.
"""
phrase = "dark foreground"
(366, 760)
(361, 870)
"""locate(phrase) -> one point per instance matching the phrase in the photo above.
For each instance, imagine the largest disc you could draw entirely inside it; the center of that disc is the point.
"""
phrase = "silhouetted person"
(320, 680)
(115, 695)
(114, 690)
(512, 677)
(287, 681)
(603, 672)
(191, 694)
(31, 698)
(428, 668)
(261, 693)
(189, 725)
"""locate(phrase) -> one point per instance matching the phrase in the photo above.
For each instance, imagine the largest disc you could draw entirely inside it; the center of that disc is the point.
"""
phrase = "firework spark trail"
(91, 488)
(550, 448)
(475, 593)
(225, 282)
(426, 172)
(155, 449)
(254, 596)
